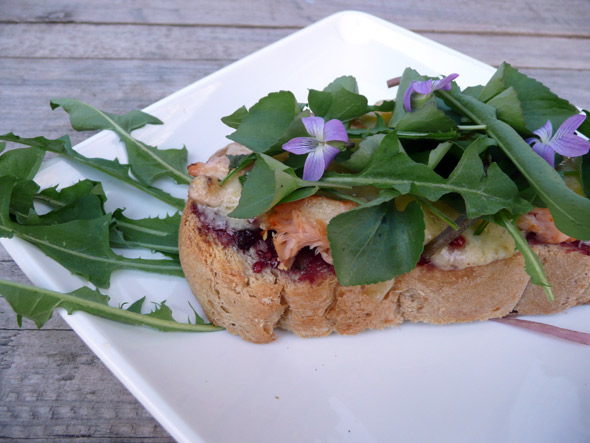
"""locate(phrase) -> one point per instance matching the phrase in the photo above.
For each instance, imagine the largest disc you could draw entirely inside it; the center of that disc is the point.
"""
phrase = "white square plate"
(462, 383)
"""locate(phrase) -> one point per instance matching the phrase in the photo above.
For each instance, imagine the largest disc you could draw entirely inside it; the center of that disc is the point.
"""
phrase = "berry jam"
(308, 266)
(311, 266)
(577, 245)
(457, 243)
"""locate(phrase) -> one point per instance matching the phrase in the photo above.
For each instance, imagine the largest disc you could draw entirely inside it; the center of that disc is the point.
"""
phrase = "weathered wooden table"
(123, 55)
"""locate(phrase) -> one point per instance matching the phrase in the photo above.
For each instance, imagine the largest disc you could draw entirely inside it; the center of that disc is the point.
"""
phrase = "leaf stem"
(472, 127)
(533, 265)
(438, 212)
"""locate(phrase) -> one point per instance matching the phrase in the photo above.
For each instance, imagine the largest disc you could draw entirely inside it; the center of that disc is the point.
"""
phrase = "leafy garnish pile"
(466, 148)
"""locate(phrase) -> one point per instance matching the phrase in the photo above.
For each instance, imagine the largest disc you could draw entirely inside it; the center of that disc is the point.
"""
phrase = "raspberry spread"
(308, 266)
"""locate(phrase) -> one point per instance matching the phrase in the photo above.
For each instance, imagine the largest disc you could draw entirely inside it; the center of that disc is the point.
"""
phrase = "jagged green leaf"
(39, 304)
(21, 163)
(113, 168)
(537, 101)
(570, 211)
(147, 163)
(155, 234)
(392, 168)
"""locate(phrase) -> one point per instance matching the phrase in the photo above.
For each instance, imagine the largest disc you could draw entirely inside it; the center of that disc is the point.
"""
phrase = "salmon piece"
(540, 222)
(301, 224)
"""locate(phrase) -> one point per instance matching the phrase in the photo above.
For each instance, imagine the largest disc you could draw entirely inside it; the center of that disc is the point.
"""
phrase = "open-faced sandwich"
(440, 206)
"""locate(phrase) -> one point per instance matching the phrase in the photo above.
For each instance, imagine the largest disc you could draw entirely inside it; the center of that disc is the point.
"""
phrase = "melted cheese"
(214, 200)
(494, 243)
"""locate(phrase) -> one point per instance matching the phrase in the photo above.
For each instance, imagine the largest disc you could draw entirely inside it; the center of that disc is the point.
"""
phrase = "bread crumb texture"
(252, 304)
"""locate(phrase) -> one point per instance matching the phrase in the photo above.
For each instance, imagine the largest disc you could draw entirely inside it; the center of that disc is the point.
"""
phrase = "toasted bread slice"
(252, 304)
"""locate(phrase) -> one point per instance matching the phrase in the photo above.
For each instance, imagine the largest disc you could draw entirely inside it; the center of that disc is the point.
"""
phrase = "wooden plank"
(547, 17)
(133, 42)
(122, 85)
(53, 387)
(4, 256)
(27, 86)
(521, 51)
(215, 43)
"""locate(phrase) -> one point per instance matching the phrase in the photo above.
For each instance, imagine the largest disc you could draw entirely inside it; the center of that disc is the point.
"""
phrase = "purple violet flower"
(427, 87)
(321, 153)
(564, 141)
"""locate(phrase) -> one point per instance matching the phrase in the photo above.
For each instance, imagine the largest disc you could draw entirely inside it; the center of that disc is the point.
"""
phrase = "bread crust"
(252, 304)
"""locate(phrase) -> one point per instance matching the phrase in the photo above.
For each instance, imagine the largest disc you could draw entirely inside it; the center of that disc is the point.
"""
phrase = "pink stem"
(566, 334)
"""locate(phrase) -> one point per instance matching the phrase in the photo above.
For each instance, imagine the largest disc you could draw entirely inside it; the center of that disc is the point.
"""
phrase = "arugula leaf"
(81, 246)
(156, 234)
(71, 194)
(63, 147)
(21, 201)
(538, 103)
(81, 201)
(491, 192)
(147, 163)
(437, 154)
(266, 122)
(376, 242)
(300, 194)
(7, 183)
(38, 305)
(533, 266)
(347, 82)
(570, 211)
(237, 164)
(391, 168)
(509, 109)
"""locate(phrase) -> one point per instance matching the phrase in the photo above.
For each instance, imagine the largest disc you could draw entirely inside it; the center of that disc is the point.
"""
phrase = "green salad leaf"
(39, 304)
(266, 122)
(268, 183)
(81, 245)
(386, 242)
(339, 100)
(113, 168)
(533, 266)
(21, 163)
(537, 102)
(570, 211)
(156, 234)
(147, 163)
(483, 193)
